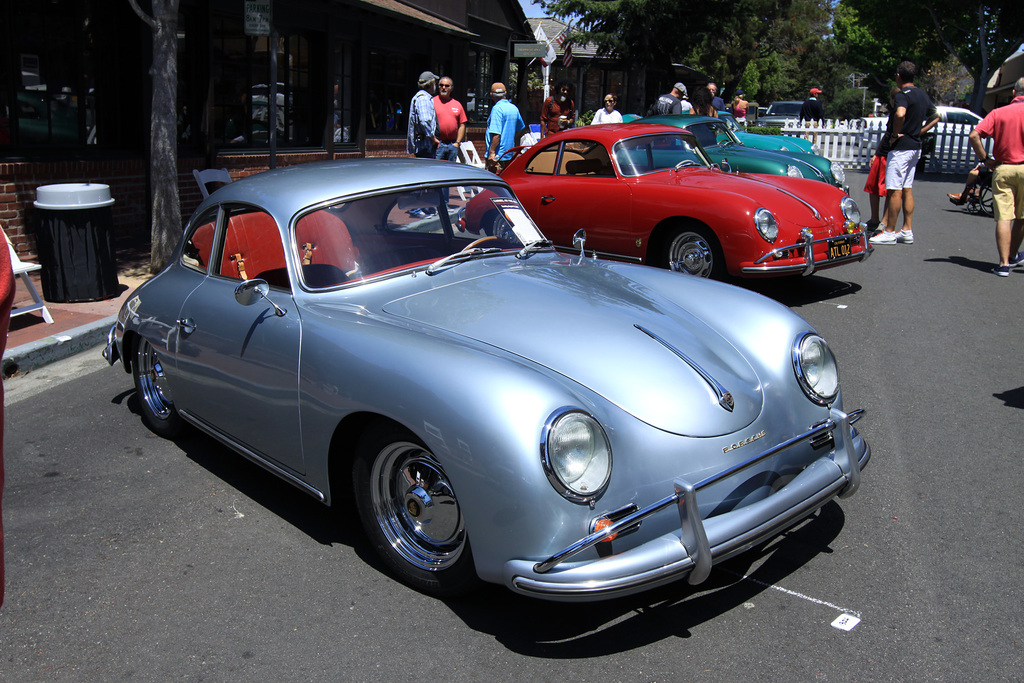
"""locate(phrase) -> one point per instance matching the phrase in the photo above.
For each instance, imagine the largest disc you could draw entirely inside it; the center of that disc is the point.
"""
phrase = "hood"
(793, 200)
(587, 322)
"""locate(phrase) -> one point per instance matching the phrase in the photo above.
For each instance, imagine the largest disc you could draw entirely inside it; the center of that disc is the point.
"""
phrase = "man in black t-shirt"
(912, 107)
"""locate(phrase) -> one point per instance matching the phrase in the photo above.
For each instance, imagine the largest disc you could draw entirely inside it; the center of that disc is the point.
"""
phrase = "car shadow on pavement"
(546, 629)
(796, 291)
(292, 505)
(1012, 398)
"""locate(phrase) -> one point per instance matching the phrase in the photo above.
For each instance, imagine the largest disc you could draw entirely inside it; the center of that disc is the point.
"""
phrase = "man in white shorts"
(912, 107)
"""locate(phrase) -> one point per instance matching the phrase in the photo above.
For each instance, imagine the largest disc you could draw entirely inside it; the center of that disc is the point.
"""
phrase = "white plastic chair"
(468, 155)
(22, 269)
(210, 175)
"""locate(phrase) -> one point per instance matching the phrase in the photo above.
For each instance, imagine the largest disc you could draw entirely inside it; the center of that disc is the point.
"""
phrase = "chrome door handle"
(547, 199)
(187, 325)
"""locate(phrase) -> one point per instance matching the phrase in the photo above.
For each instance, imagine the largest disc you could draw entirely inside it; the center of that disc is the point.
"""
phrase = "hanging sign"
(258, 17)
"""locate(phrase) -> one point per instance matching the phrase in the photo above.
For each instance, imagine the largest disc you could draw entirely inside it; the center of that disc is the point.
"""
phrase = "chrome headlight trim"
(816, 369)
(576, 455)
(838, 173)
(766, 225)
(850, 210)
(793, 172)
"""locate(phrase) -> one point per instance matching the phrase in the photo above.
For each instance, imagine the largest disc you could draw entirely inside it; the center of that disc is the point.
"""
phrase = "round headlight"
(816, 369)
(838, 172)
(793, 172)
(850, 210)
(766, 225)
(577, 456)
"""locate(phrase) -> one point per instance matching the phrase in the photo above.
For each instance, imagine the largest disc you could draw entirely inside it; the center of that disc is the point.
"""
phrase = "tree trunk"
(165, 229)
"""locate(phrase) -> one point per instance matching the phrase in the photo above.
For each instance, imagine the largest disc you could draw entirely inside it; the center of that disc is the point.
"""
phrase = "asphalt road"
(134, 558)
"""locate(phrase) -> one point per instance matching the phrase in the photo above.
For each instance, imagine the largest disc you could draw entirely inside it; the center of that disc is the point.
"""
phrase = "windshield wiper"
(466, 255)
(534, 246)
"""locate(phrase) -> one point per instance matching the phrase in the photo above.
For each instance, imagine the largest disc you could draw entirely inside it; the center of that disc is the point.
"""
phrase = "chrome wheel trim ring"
(153, 382)
(415, 507)
(693, 253)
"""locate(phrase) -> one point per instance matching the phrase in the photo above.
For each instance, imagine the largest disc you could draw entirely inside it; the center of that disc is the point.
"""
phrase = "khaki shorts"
(1008, 191)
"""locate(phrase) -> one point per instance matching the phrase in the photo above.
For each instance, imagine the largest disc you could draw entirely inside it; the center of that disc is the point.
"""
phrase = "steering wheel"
(479, 241)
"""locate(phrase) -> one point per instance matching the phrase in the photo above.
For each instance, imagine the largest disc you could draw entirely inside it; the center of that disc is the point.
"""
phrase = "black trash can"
(74, 242)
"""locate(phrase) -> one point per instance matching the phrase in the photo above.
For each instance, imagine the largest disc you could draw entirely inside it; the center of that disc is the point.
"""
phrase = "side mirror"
(579, 240)
(250, 292)
(725, 166)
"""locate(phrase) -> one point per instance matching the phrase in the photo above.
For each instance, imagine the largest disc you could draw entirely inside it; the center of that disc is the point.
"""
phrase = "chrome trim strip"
(725, 398)
(690, 517)
(203, 426)
(802, 201)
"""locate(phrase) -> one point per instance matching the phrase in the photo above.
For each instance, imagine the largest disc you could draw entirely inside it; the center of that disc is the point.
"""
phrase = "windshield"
(651, 153)
(711, 133)
(784, 108)
(410, 228)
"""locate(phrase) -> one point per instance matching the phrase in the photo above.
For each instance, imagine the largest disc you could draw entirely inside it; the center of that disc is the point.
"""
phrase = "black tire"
(696, 250)
(985, 200)
(410, 513)
(158, 411)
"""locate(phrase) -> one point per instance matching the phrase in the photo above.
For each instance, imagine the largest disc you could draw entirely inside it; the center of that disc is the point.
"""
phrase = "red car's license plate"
(839, 250)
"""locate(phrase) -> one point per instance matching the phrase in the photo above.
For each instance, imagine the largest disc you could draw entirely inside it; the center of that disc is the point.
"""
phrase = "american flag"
(566, 45)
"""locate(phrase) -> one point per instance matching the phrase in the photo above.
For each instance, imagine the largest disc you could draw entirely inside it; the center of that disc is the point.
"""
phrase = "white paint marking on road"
(852, 614)
(842, 306)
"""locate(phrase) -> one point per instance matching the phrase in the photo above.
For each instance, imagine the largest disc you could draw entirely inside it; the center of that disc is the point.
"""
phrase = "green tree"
(979, 34)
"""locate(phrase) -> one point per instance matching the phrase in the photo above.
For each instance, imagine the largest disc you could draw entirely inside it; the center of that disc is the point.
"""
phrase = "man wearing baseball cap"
(812, 109)
(670, 102)
(421, 140)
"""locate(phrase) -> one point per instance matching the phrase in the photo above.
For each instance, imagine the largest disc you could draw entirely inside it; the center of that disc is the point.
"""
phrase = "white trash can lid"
(69, 196)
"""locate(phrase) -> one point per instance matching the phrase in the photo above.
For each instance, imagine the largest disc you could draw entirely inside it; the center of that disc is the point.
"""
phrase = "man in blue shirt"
(503, 126)
(421, 140)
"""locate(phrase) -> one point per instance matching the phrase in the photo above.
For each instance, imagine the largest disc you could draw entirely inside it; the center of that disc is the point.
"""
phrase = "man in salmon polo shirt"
(451, 122)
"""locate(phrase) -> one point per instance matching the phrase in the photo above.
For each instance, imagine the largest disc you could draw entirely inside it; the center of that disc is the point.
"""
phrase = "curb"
(27, 357)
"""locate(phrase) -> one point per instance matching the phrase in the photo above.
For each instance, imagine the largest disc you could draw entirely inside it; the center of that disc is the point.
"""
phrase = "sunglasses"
(446, 85)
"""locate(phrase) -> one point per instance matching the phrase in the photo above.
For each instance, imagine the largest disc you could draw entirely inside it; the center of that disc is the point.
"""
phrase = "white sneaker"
(884, 237)
(905, 237)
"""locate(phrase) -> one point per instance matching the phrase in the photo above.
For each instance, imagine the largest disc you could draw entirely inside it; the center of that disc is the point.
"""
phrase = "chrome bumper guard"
(807, 243)
(110, 352)
(693, 535)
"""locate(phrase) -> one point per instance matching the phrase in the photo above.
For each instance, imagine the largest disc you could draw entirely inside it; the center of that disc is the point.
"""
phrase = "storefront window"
(242, 88)
(389, 92)
(48, 76)
(478, 101)
(343, 95)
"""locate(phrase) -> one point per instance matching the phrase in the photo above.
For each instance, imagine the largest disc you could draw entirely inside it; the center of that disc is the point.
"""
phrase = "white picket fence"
(851, 143)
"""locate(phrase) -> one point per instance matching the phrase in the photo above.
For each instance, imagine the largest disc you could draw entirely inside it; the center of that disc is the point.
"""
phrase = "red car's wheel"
(695, 251)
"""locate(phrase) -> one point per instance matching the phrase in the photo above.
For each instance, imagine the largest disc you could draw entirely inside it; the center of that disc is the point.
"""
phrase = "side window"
(198, 247)
(253, 249)
(585, 157)
(544, 161)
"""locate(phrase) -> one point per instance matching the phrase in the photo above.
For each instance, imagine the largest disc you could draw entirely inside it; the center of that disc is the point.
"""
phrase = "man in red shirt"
(451, 122)
(1005, 125)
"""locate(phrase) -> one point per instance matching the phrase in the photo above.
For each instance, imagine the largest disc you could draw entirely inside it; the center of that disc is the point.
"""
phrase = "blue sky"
(532, 9)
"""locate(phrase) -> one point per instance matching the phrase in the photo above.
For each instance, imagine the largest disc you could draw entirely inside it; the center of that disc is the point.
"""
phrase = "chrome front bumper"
(809, 264)
(699, 543)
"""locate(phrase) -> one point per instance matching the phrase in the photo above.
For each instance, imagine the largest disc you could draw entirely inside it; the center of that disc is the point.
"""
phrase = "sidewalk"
(32, 342)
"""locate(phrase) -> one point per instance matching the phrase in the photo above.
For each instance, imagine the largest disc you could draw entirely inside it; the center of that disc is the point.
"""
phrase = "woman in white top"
(608, 114)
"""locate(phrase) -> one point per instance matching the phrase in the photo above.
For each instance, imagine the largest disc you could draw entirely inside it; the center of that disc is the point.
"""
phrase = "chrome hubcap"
(153, 382)
(691, 253)
(415, 507)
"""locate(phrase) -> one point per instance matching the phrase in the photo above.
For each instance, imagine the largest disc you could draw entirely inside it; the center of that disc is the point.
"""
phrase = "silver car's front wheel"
(158, 411)
(410, 512)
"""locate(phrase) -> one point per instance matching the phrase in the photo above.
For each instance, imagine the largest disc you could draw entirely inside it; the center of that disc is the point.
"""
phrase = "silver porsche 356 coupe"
(398, 331)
